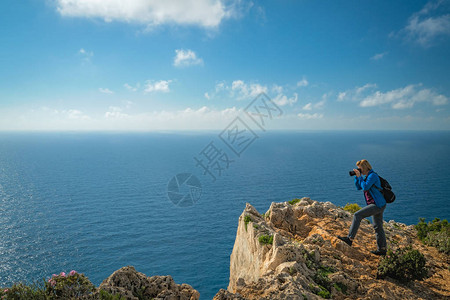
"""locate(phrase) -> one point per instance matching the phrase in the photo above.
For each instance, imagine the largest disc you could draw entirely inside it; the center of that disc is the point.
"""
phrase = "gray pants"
(377, 213)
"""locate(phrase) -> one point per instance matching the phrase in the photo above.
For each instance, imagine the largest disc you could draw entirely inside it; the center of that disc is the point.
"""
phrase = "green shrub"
(324, 293)
(73, 285)
(21, 291)
(405, 264)
(320, 291)
(266, 239)
(435, 233)
(352, 207)
(294, 201)
(340, 287)
(440, 240)
(321, 277)
(104, 295)
(247, 219)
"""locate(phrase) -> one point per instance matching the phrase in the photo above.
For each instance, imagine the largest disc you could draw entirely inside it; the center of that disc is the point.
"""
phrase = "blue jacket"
(369, 185)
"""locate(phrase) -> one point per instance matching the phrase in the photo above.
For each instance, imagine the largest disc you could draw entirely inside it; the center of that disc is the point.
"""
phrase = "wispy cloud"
(105, 91)
(242, 90)
(308, 106)
(86, 55)
(318, 105)
(283, 100)
(203, 13)
(246, 91)
(405, 97)
(184, 58)
(157, 86)
(355, 93)
(379, 56)
(429, 24)
(115, 112)
(303, 82)
(310, 116)
(132, 88)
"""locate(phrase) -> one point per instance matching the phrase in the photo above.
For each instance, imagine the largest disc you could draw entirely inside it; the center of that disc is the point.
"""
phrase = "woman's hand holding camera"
(358, 174)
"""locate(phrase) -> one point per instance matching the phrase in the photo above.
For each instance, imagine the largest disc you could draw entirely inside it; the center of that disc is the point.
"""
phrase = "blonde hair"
(364, 165)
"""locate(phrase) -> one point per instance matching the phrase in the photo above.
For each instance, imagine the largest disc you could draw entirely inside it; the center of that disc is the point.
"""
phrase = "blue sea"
(95, 202)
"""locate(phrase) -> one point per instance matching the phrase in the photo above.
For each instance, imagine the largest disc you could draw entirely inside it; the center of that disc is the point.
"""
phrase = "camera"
(352, 173)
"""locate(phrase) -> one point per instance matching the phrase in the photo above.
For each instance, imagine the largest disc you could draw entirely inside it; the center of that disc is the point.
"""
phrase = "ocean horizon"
(97, 201)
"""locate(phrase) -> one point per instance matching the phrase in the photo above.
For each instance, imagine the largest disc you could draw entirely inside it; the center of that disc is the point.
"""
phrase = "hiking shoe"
(379, 252)
(346, 239)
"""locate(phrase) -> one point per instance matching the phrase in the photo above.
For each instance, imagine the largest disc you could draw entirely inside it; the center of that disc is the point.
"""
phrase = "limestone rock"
(305, 255)
(132, 284)
(226, 295)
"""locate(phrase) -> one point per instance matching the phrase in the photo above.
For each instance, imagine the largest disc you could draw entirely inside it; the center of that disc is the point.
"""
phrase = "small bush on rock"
(405, 264)
(247, 220)
(435, 233)
(21, 291)
(266, 239)
(73, 285)
(294, 201)
(352, 207)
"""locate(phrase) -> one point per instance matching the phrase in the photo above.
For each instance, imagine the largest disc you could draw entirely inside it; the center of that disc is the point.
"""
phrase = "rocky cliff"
(291, 252)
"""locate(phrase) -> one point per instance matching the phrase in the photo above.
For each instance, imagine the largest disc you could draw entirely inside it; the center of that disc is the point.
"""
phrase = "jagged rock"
(305, 254)
(132, 284)
(226, 295)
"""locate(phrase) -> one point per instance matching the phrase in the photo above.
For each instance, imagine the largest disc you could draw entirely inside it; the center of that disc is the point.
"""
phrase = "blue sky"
(196, 64)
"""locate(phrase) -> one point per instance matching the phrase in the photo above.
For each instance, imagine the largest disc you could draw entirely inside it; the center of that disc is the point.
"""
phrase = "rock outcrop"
(134, 285)
(292, 252)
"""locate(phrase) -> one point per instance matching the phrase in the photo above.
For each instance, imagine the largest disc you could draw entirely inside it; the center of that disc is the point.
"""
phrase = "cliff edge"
(292, 252)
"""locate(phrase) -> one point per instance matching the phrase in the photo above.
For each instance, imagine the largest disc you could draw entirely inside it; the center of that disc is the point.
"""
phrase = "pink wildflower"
(54, 275)
(63, 274)
(5, 291)
(73, 272)
(52, 282)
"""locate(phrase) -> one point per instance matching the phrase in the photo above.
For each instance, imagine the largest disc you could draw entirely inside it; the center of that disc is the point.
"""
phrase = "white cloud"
(75, 114)
(283, 100)
(188, 118)
(378, 56)
(203, 13)
(320, 104)
(341, 96)
(310, 116)
(132, 88)
(302, 82)
(246, 91)
(307, 106)
(207, 96)
(220, 87)
(115, 112)
(105, 91)
(62, 114)
(277, 89)
(402, 98)
(157, 86)
(184, 58)
(355, 93)
(367, 86)
(429, 24)
(86, 55)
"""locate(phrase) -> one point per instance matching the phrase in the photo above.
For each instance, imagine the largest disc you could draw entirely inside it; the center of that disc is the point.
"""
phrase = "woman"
(375, 206)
